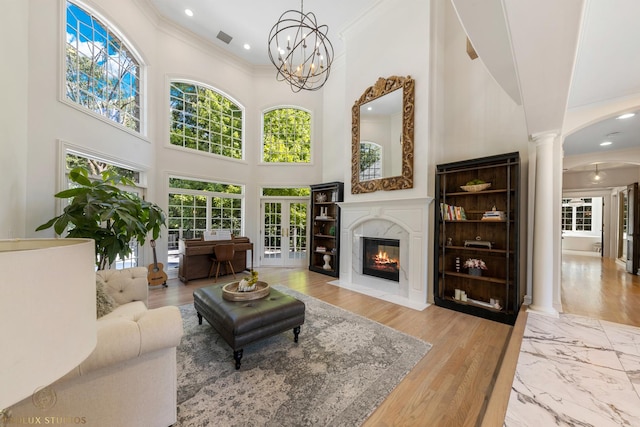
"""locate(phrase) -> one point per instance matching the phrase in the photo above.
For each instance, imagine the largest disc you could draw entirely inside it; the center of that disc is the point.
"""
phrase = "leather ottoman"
(244, 322)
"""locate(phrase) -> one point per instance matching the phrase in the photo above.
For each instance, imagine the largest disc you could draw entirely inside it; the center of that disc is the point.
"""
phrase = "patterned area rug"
(342, 368)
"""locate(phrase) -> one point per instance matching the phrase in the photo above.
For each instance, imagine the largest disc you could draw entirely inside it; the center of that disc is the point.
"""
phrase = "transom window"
(286, 136)
(370, 160)
(102, 73)
(205, 120)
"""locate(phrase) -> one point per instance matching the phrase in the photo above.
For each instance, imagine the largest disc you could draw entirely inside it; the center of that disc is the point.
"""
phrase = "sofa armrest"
(121, 338)
(160, 328)
(126, 285)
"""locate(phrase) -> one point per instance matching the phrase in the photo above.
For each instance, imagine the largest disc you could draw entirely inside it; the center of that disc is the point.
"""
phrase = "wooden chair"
(222, 253)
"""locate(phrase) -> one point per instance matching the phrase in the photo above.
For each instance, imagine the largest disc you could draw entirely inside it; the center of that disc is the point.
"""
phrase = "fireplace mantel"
(404, 219)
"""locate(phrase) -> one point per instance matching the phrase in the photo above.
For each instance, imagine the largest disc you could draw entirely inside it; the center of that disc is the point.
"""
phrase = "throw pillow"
(104, 302)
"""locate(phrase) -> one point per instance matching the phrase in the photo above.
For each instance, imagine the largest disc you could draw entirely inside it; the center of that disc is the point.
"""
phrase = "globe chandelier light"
(300, 50)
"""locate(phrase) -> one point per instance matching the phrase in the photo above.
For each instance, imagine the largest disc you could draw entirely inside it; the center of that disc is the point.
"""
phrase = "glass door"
(622, 225)
(284, 232)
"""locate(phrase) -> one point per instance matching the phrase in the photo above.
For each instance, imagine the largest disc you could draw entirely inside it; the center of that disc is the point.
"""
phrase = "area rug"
(342, 368)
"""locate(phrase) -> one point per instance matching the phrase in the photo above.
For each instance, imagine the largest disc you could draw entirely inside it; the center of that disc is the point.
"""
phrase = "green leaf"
(72, 192)
(112, 217)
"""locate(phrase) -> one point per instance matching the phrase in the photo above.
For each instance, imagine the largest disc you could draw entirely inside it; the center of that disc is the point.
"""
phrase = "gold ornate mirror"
(382, 136)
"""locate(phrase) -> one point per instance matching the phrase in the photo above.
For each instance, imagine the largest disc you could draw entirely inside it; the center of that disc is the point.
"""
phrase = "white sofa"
(130, 378)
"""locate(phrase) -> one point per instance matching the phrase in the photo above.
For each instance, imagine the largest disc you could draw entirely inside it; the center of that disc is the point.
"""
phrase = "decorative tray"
(477, 244)
(476, 188)
(230, 292)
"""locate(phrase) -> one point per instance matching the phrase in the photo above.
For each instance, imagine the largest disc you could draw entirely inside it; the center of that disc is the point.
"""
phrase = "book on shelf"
(494, 216)
(452, 213)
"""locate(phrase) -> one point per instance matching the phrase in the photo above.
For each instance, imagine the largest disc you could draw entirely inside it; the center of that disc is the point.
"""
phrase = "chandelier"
(598, 176)
(300, 50)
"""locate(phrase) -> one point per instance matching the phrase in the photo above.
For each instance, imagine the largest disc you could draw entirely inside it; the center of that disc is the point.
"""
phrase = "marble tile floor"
(576, 371)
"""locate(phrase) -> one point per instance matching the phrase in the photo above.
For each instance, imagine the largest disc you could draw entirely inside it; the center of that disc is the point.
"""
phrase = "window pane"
(202, 206)
(583, 218)
(370, 161)
(287, 136)
(102, 74)
(284, 192)
(567, 218)
(96, 167)
(205, 115)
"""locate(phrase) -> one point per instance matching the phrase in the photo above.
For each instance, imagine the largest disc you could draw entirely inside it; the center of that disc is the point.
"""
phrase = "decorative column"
(543, 226)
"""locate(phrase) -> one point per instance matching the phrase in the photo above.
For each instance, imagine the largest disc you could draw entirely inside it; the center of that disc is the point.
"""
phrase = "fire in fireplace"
(381, 258)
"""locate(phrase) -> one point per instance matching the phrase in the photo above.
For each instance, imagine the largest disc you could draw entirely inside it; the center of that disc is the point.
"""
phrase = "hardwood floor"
(600, 288)
(450, 386)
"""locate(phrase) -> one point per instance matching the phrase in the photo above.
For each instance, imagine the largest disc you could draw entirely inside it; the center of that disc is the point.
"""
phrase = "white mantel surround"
(406, 220)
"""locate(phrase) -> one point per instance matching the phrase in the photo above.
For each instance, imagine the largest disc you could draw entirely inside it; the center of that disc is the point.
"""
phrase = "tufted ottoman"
(244, 322)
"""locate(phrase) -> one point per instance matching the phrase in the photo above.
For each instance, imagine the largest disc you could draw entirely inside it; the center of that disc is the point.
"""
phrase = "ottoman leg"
(199, 319)
(237, 355)
(296, 332)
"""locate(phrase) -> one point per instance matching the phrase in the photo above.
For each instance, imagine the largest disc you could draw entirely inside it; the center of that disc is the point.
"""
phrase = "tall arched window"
(102, 73)
(286, 136)
(203, 119)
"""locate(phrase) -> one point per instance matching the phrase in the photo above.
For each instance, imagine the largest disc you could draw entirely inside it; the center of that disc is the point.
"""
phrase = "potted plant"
(101, 211)
(475, 266)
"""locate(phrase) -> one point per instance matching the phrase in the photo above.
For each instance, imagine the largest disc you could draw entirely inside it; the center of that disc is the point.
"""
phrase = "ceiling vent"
(224, 37)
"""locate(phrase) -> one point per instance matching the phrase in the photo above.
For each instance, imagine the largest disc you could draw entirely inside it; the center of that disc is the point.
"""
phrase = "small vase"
(327, 259)
(475, 272)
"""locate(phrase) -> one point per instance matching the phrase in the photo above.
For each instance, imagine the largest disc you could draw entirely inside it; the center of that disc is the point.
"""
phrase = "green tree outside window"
(287, 136)
(205, 120)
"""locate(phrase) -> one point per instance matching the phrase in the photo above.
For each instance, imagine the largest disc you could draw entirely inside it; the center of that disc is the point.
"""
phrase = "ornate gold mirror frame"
(380, 88)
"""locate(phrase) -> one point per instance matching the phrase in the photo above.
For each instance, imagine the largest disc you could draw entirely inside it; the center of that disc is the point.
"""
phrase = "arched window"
(370, 160)
(286, 136)
(203, 119)
(102, 73)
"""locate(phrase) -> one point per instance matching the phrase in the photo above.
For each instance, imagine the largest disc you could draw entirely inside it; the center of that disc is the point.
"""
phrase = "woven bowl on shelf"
(477, 187)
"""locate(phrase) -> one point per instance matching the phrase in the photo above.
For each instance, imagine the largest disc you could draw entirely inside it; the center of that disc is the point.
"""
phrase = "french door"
(633, 229)
(284, 232)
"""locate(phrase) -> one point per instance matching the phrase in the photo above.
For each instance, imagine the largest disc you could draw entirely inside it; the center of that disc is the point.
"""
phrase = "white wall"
(392, 39)
(51, 120)
(585, 244)
(474, 116)
(480, 120)
(617, 177)
(168, 53)
(13, 117)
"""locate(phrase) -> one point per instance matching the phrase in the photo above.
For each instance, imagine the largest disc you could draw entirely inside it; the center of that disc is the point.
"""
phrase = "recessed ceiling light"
(188, 12)
(626, 116)
(247, 46)
(606, 143)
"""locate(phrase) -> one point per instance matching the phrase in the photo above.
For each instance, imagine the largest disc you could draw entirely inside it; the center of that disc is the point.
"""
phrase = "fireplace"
(381, 258)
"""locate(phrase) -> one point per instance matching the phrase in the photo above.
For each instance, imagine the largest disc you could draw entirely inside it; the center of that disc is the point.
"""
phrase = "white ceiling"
(607, 67)
(607, 62)
(568, 54)
(250, 21)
